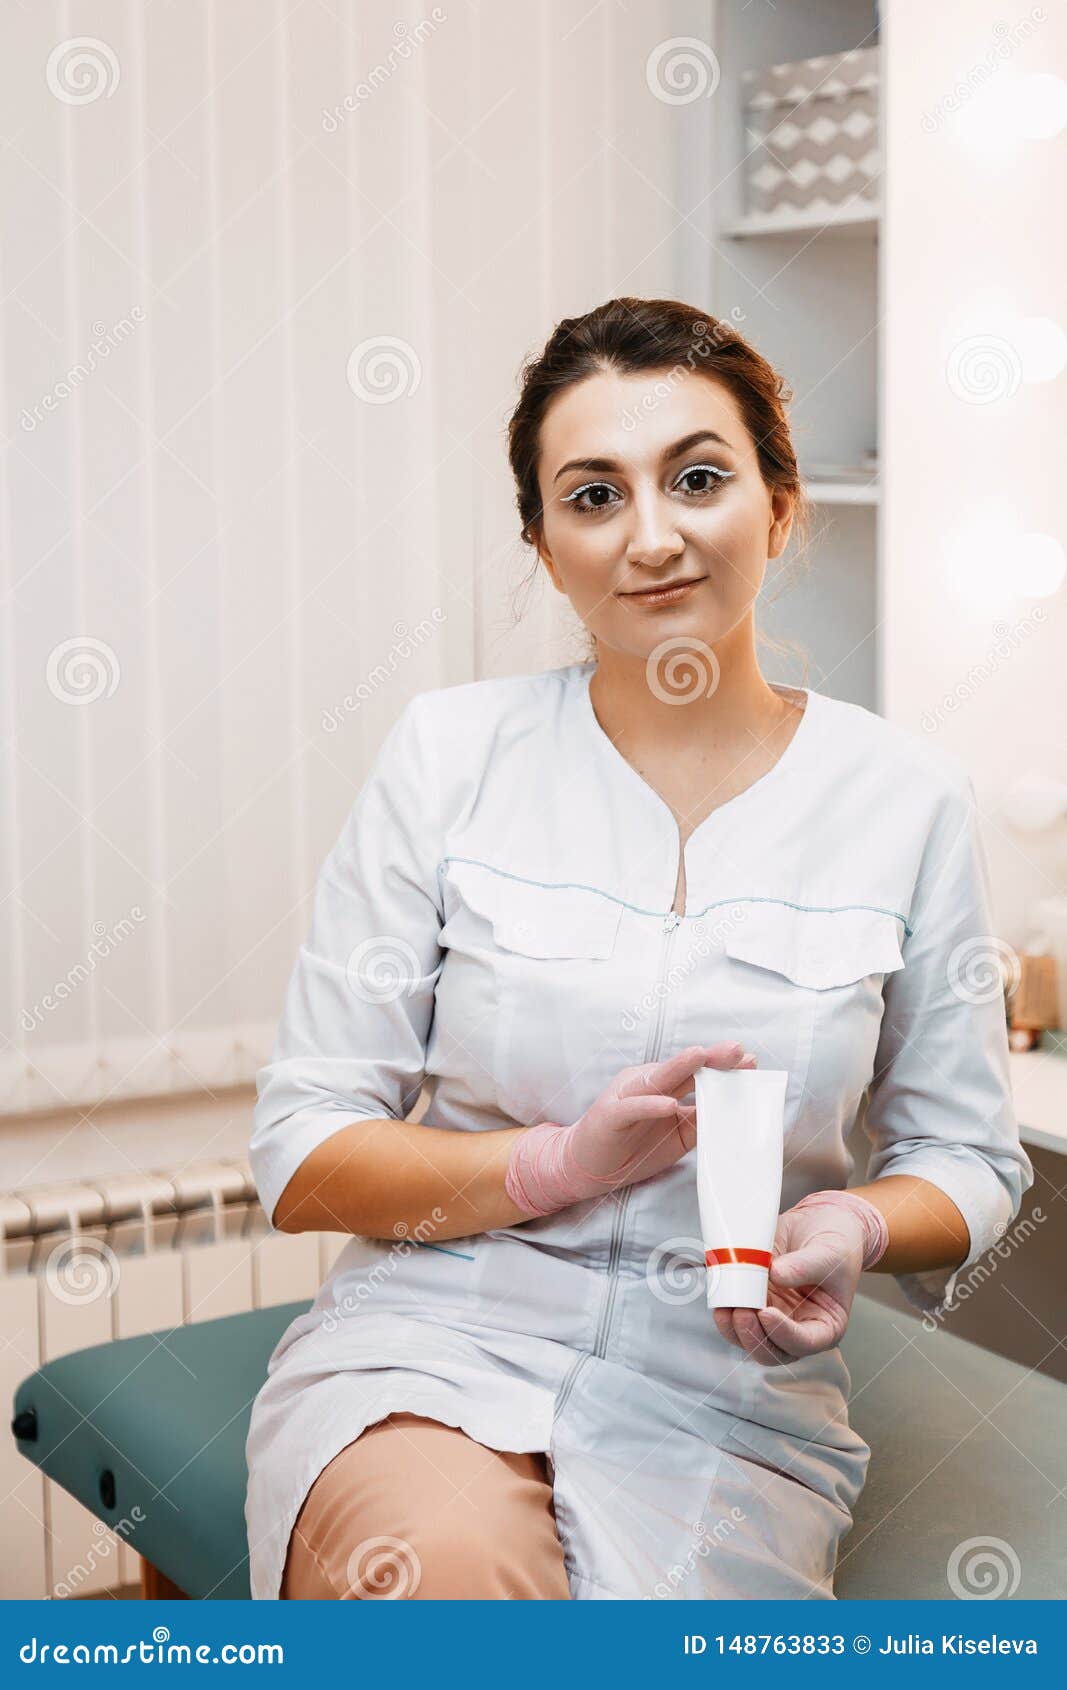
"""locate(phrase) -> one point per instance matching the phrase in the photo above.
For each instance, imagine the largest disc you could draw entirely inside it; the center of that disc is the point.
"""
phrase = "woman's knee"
(407, 1511)
(446, 1561)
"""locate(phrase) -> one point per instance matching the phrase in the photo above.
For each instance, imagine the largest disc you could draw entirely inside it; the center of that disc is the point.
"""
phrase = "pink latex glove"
(821, 1246)
(633, 1130)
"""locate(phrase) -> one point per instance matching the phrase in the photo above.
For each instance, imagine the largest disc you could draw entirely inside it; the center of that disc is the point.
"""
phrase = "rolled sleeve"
(940, 1105)
(351, 1043)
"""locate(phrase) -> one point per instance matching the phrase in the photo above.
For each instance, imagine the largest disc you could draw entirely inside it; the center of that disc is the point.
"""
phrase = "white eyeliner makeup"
(720, 475)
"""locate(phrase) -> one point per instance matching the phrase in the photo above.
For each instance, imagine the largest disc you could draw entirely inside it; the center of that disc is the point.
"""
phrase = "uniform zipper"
(670, 925)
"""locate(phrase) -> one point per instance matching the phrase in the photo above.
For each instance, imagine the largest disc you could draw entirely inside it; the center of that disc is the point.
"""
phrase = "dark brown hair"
(630, 335)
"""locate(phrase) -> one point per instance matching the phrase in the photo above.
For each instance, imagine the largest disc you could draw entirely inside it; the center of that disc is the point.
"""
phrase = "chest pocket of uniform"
(544, 961)
(804, 990)
(820, 949)
(526, 918)
(553, 921)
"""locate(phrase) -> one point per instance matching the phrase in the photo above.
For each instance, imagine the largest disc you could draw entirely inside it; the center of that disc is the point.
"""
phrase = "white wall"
(250, 542)
(975, 250)
(232, 537)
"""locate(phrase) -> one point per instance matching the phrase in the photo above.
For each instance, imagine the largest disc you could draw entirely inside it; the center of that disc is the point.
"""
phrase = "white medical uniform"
(495, 919)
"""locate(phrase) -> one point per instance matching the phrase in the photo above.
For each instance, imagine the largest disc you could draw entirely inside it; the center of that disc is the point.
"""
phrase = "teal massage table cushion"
(150, 1432)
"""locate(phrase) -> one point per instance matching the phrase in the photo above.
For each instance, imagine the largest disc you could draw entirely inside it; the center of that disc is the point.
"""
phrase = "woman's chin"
(670, 634)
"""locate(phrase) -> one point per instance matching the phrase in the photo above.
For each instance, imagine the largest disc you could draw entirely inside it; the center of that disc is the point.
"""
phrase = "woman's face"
(651, 479)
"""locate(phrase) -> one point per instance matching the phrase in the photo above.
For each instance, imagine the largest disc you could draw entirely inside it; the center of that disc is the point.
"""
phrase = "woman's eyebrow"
(608, 466)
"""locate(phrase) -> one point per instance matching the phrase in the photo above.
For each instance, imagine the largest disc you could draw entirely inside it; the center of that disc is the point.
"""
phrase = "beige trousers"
(416, 1509)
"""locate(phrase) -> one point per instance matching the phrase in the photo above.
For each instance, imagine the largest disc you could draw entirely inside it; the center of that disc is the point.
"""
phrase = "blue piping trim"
(420, 1245)
(820, 909)
(580, 886)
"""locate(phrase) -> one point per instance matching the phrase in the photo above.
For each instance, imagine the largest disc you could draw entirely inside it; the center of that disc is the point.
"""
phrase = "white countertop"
(1039, 1083)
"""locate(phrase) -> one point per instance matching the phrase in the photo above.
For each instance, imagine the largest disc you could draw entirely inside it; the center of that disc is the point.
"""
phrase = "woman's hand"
(821, 1246)
(638, 1126)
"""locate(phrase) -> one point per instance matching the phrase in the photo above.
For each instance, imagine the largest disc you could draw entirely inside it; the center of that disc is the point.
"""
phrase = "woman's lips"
(663, 595)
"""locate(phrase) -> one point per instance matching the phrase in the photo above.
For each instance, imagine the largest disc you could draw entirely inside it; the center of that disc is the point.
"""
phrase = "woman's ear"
(546, 558)
(783, 507)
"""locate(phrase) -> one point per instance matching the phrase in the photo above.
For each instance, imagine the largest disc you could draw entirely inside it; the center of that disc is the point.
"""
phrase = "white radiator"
(82, 1264)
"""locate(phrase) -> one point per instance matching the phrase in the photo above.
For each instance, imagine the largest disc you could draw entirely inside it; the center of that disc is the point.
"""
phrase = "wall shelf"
(856, 221)
(805, 285)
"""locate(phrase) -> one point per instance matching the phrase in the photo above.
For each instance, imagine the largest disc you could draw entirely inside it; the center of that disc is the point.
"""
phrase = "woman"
(555, 897)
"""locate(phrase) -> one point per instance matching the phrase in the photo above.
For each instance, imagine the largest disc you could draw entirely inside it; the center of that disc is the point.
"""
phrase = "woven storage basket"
(811, 130)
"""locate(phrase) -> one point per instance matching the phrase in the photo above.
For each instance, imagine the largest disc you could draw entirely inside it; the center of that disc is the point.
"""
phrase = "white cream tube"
(740, 1128)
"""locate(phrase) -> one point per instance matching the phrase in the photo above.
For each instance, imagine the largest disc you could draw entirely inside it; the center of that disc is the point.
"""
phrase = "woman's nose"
(655, 537)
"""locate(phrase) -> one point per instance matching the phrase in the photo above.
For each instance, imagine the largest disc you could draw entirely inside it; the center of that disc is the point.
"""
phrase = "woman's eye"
(713, 478)
(696, 483)
(591, 491)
